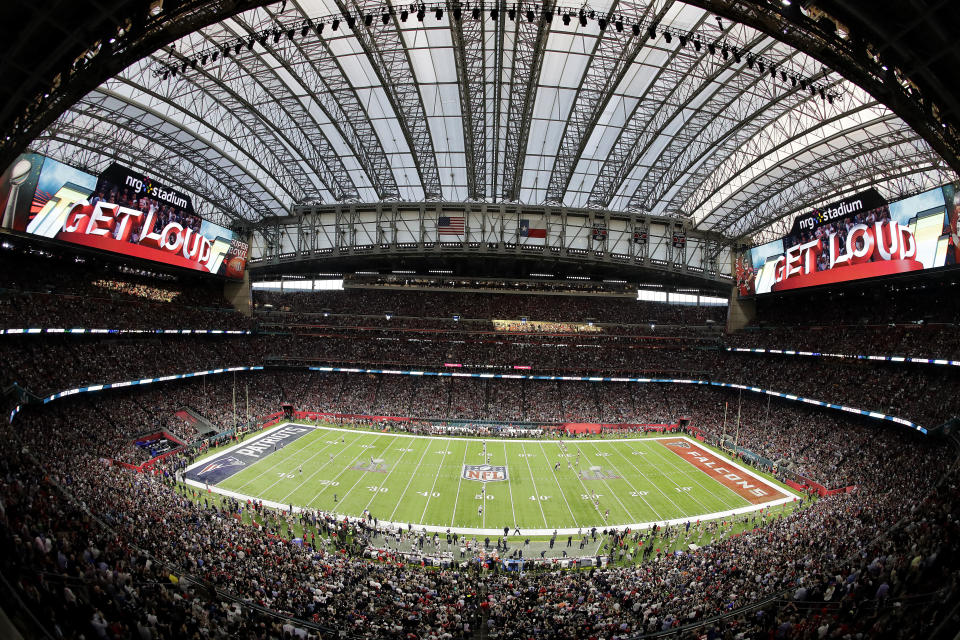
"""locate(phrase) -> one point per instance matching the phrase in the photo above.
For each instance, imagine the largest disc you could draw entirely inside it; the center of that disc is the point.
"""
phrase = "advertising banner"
(859, 237)
(120, 211)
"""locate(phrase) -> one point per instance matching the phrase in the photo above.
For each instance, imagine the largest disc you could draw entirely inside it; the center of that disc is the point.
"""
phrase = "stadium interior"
(666, 290)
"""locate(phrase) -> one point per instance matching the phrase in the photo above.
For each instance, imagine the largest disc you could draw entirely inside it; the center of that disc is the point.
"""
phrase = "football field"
(475, 485)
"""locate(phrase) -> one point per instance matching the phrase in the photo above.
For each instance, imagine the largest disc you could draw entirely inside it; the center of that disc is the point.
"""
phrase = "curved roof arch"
(659, 107)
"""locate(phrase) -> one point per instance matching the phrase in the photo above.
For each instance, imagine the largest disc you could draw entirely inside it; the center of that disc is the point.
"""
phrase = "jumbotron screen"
(862, 236)
(120, 211)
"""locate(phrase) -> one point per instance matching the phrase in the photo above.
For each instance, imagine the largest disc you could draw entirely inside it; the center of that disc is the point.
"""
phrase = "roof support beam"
(387, 53)
(468, 40)
(529, 46)
(613, 53)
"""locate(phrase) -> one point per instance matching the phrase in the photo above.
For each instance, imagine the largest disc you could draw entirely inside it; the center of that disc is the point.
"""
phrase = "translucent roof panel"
(699, 118)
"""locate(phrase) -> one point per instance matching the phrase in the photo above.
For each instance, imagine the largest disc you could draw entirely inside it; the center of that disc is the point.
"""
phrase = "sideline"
(791, 496)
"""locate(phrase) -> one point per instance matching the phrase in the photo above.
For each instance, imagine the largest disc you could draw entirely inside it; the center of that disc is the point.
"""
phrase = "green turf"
(421, 482)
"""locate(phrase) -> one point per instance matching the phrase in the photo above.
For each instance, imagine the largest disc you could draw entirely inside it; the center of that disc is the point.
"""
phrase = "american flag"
(451, 225)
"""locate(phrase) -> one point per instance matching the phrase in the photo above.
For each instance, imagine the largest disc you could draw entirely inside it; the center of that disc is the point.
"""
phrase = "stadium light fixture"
(636, 30)
(566, 19)
(438, 13)
(404, 14)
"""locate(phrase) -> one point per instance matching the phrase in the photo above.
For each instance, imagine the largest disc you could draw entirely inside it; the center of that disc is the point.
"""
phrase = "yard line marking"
(693, 474)
(613, 493)
(321, 468)
(429, 495)
(535, 490)
(395, 466)
(587, 491)
(513, 509)
(559, 488)
(654, 485)
(342, 471)
(303, 443)
(306, 480)
(279, 480)
(453, 517)
(363, 474)
(634, 489)
(412, 476)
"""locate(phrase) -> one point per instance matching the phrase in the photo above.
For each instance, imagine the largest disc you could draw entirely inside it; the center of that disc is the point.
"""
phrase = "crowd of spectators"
(101, 552)
(505, 306)
(42, 289)
(799, 442)
(909, 340)
(44, 364)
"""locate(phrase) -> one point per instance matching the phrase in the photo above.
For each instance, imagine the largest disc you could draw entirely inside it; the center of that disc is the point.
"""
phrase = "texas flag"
(527, 230)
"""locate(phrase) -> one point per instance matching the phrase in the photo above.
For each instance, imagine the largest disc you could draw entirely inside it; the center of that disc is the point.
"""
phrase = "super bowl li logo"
(484, 473)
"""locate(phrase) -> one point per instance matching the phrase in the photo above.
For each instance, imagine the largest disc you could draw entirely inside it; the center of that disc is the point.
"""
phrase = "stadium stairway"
(203, 426)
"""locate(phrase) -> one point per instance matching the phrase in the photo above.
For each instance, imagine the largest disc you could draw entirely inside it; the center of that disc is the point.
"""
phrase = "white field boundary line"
(527, 532)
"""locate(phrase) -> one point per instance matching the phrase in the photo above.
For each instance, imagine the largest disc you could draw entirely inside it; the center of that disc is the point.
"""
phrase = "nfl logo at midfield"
(484, 473)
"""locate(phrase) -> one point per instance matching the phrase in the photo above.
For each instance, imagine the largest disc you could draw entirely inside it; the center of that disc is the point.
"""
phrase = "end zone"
(240, 456)
(741, 481)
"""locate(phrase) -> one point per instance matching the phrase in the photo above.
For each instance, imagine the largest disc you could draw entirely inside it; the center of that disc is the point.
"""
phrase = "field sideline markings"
(303, 443)
(693, 473)
(535, 490)
(363, 450)
(563, 494)
(412, 476)
(363, 474)
(435, 477)
(789, 496)
(616, 497)
(634, 489)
